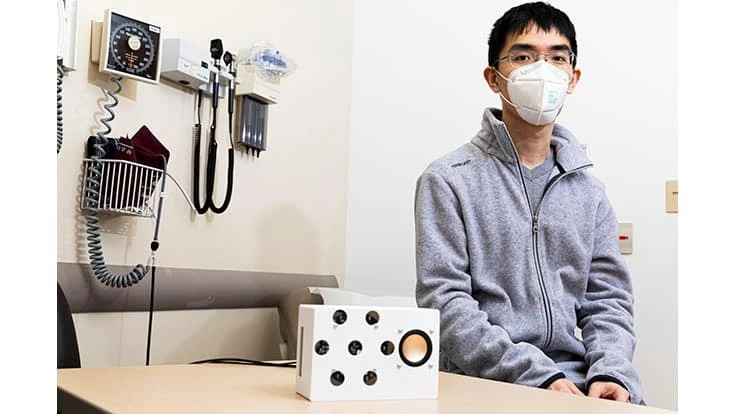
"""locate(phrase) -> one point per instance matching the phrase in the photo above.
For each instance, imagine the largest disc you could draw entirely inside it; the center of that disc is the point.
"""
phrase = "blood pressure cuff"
(126, 186)
(149, 151)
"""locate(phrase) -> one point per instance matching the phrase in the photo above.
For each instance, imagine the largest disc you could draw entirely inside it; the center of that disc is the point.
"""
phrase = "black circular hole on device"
(387, 348)
(354, 347)
(337, 378)
(321, 347)
(370, 378)
(339, 316)
(372, 317)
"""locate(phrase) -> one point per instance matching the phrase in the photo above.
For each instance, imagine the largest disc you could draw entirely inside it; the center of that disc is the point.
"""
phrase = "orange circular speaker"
(415, 348)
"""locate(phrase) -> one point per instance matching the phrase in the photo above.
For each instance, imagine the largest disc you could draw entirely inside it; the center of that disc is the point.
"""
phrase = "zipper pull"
(535, 224)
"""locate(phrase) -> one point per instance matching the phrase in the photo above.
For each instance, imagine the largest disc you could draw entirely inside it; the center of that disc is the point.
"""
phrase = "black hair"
(519, 19)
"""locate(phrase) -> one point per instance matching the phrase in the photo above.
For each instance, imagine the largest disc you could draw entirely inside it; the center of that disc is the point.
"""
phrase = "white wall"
(418, 92)
(288, 208)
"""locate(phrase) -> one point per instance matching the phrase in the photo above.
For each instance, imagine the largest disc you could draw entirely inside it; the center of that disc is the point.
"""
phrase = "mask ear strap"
(500, 74)
(515, 106)
(508, 101)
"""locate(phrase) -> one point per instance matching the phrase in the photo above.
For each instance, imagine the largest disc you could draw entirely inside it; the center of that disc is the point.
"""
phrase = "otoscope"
(228, 59)
(216, 53)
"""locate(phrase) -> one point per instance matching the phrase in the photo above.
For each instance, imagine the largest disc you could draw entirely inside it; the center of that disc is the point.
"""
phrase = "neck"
(532, 142)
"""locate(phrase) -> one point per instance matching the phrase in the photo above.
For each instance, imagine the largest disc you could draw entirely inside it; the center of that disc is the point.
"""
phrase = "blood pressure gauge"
(130, 48)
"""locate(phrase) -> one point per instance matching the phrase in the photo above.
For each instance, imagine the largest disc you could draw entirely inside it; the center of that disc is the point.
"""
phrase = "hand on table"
(565, 385)
(608, 391)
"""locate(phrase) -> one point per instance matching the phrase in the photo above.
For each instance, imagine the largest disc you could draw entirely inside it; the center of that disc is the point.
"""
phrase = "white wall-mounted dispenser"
(257, 86)
(185, 63)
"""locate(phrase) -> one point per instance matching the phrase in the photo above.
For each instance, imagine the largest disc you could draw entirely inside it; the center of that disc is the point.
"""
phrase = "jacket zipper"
(535, 237)
(535, 230)
(540, 279)
(535, 249)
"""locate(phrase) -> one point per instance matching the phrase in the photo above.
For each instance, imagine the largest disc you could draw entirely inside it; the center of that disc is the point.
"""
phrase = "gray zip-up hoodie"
(511, 284)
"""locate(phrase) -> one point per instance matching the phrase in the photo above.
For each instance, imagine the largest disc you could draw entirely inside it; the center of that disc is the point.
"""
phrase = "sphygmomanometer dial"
(133, 48)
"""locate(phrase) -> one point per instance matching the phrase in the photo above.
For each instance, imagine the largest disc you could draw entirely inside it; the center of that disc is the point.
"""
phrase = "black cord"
(150, 315)
(210, 171)
(229, 190)
(199, 107)
(154, 247)
(241, 361)
(200, 207)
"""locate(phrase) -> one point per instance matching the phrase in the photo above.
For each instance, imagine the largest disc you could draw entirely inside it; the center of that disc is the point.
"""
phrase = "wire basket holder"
(125, 187)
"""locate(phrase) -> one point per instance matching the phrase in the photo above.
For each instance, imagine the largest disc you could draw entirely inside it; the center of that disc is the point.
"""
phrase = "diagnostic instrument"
(130, 48)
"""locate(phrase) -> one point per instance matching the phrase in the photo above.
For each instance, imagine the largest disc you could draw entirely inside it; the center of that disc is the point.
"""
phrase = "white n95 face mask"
(537, 91)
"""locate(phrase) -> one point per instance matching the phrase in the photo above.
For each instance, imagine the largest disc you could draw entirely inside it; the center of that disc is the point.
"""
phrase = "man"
(516, 240)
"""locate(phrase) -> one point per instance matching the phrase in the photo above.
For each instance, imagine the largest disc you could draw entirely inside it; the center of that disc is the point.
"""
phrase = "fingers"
(609, 391)
(566, 386)
(621, 394)
(574, 389)
(596, 390)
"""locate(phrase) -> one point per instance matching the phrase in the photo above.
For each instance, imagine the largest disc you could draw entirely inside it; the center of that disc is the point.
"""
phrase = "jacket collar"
(494, 139)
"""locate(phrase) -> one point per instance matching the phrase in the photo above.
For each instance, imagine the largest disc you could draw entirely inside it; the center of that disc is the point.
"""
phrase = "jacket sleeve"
(606, 315)
(467, 338)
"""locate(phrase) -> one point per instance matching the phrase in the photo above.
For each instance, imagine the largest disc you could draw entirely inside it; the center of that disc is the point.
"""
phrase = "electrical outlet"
(626, 238)
(671, 196)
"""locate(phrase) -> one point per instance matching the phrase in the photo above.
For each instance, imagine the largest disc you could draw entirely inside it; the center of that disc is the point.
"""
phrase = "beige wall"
(288, 208)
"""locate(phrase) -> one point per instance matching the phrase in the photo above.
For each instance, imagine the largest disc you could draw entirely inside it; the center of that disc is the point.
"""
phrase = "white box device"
(252, 84)
(367, 353)
(184, 63)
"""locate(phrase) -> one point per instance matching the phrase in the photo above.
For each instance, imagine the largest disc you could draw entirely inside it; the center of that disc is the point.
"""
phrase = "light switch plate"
(626, 238)
(671, 196)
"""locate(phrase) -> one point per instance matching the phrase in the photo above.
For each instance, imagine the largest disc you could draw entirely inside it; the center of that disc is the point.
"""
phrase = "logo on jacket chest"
(460, 164)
